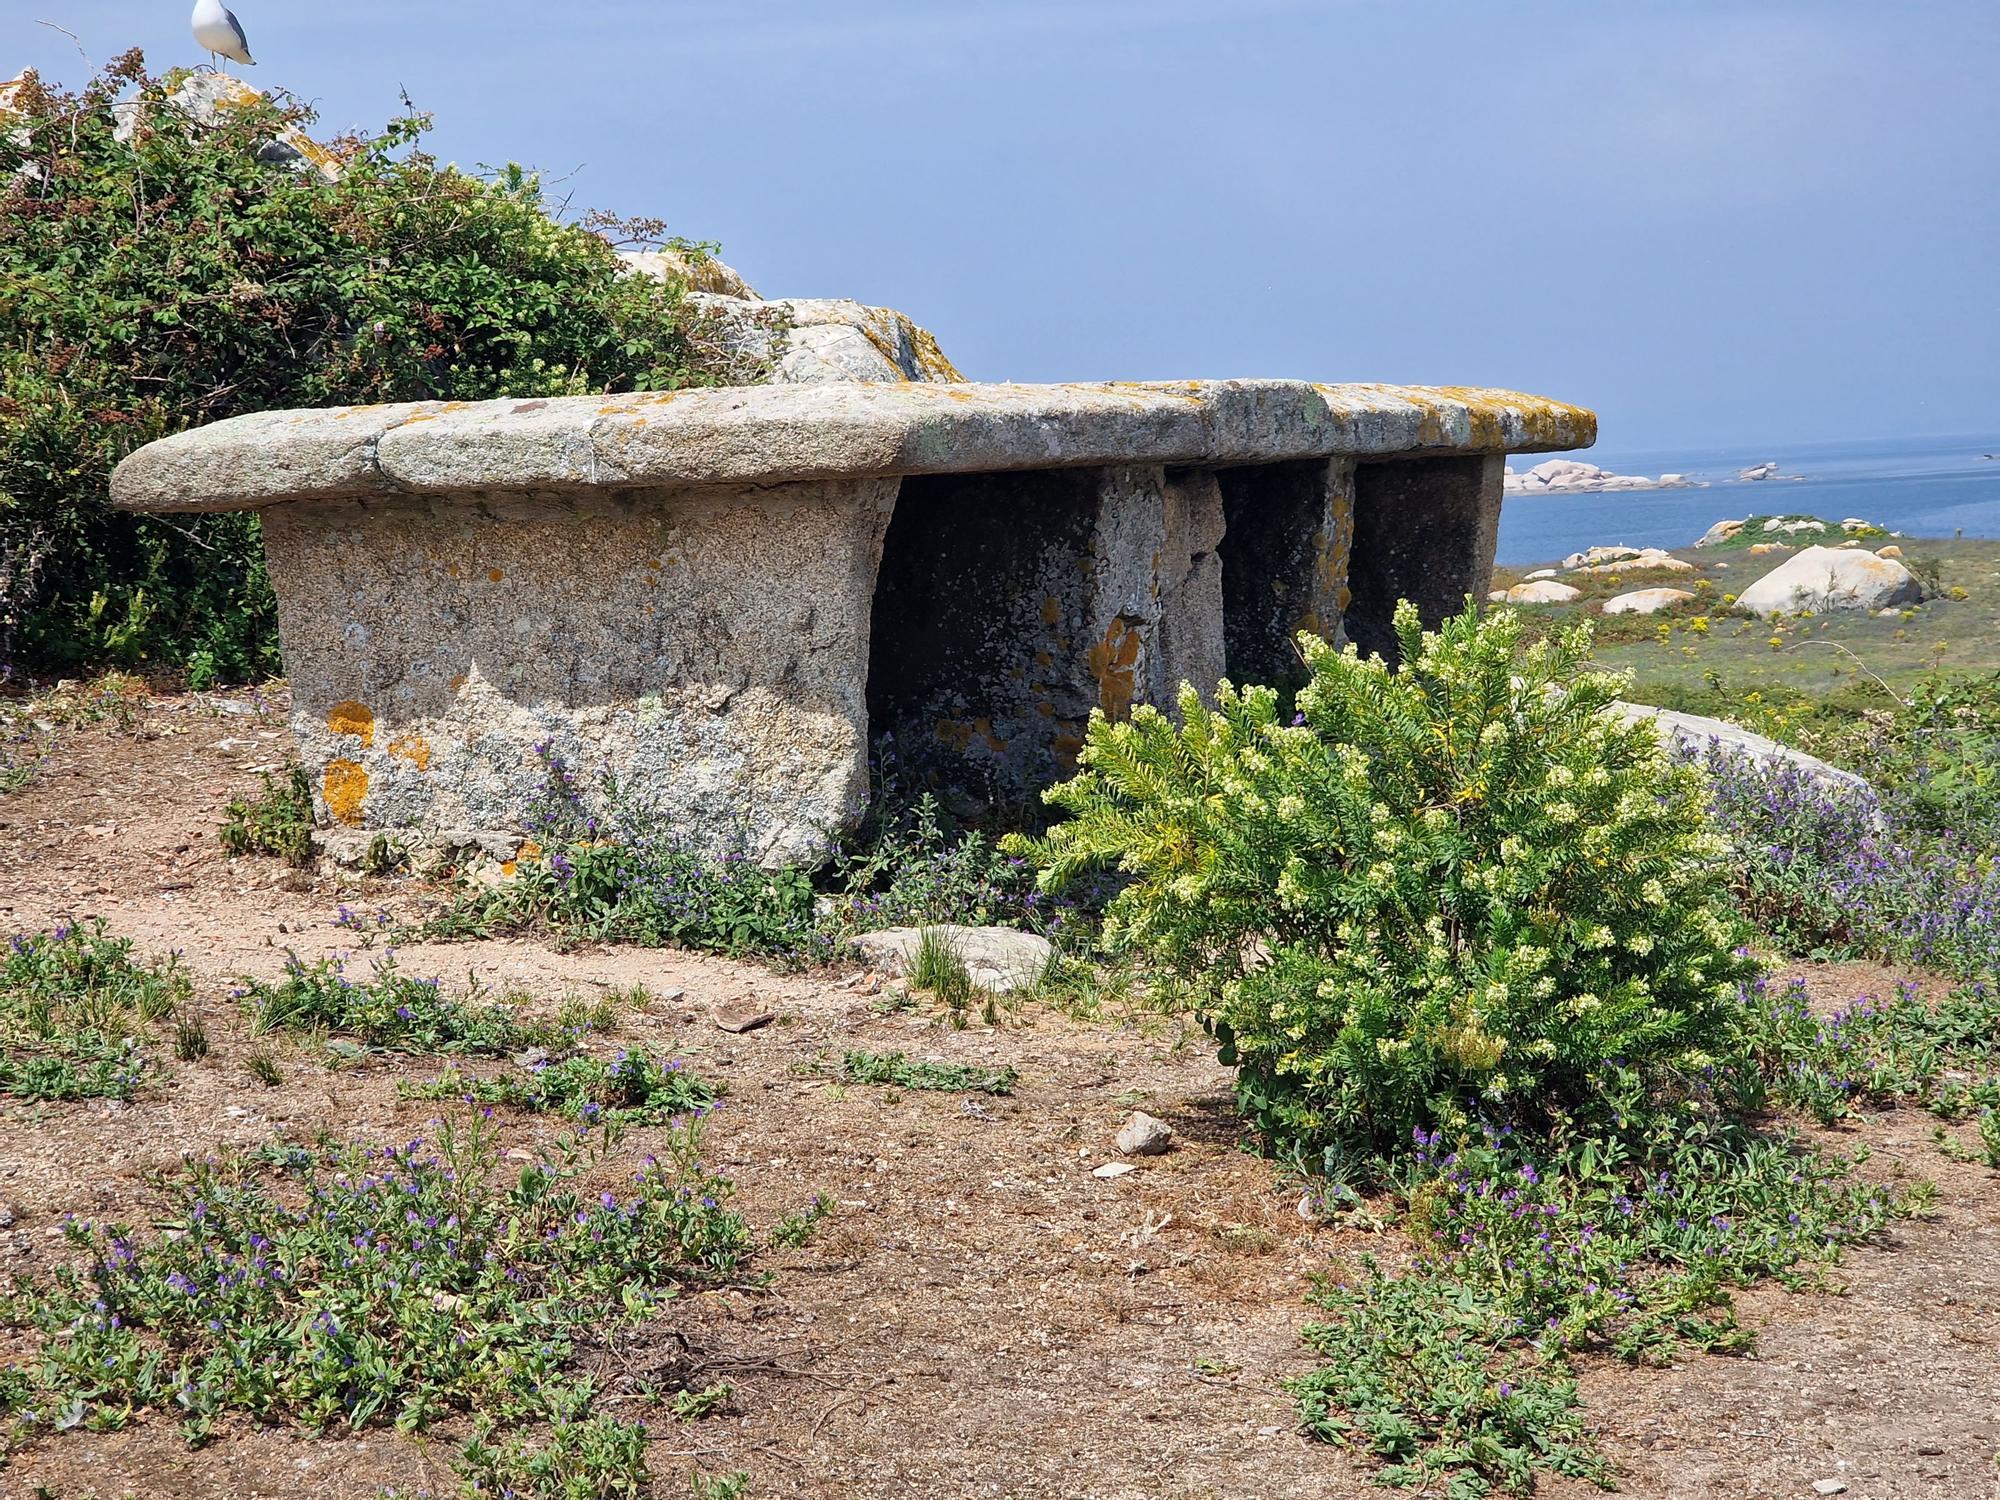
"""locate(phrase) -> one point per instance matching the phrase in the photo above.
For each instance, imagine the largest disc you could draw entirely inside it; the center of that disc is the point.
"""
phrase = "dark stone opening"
(1276, 521)
(976, 606)
(1423, 531)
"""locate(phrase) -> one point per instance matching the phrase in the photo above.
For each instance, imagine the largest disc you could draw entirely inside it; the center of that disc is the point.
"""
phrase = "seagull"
(221, 33)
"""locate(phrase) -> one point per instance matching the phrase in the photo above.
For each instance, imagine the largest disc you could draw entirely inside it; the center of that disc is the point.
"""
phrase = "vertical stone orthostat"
(1424, 530)
(1011, 605)
(706, 651)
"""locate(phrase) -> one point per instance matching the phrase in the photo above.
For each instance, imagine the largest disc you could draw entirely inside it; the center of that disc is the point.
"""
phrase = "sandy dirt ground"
(979, 1315)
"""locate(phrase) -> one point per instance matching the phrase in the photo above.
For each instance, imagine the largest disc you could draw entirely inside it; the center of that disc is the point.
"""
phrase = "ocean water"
(1927, 487)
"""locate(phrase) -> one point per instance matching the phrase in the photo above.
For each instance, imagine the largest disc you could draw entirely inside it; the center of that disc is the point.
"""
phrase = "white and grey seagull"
(221, 33)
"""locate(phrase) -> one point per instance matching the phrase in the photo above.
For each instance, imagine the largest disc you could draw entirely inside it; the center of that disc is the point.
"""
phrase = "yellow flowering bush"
(1447, 892)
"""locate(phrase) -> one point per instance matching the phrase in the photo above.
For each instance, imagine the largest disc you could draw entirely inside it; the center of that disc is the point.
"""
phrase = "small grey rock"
(1142, 1135)
(1829, 1486)
(1113, 1169)
(531, 1058)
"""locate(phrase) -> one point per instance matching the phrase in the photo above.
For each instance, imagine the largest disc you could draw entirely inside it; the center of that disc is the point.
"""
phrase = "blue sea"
(1923, 487)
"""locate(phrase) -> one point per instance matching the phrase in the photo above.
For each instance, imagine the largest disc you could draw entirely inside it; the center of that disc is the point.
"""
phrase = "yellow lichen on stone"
(1051, 611)
(1114, 663)
(350, 717)
(413, 748)
(344, 786)
(955, 733)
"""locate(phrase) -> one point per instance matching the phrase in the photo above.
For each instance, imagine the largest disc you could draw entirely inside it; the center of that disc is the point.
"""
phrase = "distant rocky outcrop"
(1832, 578)
(1626, 560)
(1758, 472)
(1571, 475)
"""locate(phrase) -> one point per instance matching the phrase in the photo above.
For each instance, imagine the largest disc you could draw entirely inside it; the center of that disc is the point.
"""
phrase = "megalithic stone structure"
(720, 598)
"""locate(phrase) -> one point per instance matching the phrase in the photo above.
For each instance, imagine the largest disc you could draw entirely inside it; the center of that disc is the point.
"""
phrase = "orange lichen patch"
(1045, 708)
(344, 786)
(960, 395)
(653, 563)
(955, 733)
(930, 358)
(1043, 659)
(413, 748)
(983, 727)
(458, 683)
(1051, 611)
(494, 575)
(1114, 662)
(451, 570)
(350, 717)
(508, 867)
(529, 850)
(1066, 747)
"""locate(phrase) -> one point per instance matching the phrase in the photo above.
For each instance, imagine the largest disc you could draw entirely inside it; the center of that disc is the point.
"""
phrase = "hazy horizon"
(1718, 224)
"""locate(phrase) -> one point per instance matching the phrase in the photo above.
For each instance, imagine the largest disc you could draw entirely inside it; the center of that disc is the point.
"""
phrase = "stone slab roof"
(771, 434)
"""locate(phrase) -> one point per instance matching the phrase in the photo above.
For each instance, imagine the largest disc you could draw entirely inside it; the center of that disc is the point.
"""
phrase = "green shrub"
(72, 1005)
(279, 821)
(389, 1009)
(1455, 1371)
(634, 1088)
(345, 1287)
(950, 1078)
(179, 279)
(1450, 891)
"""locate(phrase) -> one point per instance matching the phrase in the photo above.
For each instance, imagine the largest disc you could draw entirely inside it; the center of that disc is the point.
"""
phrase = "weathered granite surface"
(719, 599)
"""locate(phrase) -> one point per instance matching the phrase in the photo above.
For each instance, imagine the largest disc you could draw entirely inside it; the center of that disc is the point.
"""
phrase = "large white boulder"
(1721, 531)
(1645, 601)
(1828, 578)
(1758, 472)
(1542, 591)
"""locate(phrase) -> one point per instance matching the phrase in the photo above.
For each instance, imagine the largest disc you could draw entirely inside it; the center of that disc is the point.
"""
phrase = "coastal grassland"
(1835, 659)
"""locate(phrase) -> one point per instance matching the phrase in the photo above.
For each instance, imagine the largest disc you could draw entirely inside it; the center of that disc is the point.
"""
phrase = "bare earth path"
(979, 1316)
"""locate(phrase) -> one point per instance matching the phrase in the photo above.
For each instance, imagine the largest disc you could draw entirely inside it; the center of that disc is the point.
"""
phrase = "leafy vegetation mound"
(1450, 892)
(175, 279)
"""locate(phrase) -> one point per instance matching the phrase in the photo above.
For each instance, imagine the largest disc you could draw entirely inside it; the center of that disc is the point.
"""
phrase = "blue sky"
(1715, 223)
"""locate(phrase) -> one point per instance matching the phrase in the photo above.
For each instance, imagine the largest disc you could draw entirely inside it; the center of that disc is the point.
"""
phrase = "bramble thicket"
(172, 279)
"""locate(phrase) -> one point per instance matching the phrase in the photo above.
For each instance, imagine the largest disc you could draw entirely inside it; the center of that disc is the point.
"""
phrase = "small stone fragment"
(1142, 1135)
(1113, 1169)
(742, 1015)
(1829, 1486)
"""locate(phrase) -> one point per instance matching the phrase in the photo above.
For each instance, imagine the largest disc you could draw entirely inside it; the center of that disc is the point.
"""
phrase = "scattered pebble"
(1829, 1486)
(1113, 1169)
